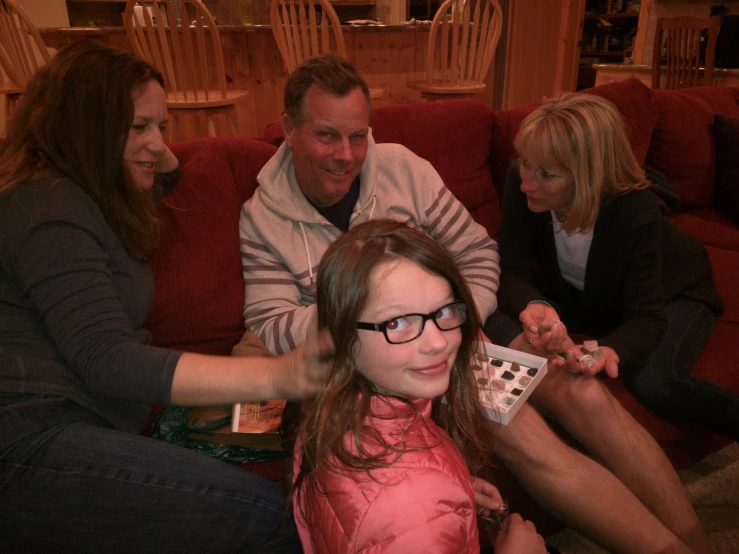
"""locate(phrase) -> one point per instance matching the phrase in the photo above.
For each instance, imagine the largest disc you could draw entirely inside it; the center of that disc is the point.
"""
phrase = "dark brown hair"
(331, 74)
(73, 122)
(343, 406)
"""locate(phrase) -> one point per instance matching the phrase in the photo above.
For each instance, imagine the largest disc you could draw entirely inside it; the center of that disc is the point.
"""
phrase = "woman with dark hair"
(80, 172)
(384, 452)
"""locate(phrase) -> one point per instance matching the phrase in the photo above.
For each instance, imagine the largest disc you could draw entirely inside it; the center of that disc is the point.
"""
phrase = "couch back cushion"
(454, 135)
(199, 290)
(682, 144)
(636, 102)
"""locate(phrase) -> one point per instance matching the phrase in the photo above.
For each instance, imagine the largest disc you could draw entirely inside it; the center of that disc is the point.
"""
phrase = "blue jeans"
(71, 483)
(663, 382)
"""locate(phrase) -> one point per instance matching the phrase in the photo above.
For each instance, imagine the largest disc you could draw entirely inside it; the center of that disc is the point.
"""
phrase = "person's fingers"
(486, 494)
(573, 366)
(529, 525)
(556, 362)
(612, 368)
(324, 344)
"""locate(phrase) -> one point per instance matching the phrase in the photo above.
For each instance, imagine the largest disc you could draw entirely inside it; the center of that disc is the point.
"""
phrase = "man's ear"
(288, 128)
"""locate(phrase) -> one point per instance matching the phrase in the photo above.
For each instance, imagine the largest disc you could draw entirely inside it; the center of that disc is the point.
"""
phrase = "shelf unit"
(606, 33)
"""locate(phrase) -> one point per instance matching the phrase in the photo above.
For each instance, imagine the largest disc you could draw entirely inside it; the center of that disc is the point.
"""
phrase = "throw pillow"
(682, 144)
(726, 136)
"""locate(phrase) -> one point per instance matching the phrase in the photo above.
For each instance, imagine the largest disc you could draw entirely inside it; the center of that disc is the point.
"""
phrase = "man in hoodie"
(330, 175)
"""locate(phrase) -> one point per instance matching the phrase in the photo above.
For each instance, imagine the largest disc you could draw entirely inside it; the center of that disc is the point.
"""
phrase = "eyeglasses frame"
(382, 326)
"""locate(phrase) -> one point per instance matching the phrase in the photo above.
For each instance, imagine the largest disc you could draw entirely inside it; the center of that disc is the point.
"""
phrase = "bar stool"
(299, 35)
(461, 47)
(22, 53)
(681, 36)
(189, 56)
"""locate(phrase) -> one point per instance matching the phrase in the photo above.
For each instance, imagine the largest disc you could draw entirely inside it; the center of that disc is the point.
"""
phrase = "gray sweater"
(72, 306)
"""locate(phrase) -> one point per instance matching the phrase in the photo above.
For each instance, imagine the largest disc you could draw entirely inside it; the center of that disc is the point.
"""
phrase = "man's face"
(330, 145)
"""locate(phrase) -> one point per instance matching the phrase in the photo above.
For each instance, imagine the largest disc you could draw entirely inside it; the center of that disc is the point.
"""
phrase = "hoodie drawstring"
(307, 252)
(372, 209)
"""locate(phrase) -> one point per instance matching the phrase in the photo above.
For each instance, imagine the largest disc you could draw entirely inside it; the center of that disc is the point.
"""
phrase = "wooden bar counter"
(611, 73)
(387, 56)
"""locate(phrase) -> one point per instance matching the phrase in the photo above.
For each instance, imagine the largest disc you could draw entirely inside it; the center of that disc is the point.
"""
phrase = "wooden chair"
(189, 56)
(460, 49)
(306, 28)
(682, 37)
(22, 52)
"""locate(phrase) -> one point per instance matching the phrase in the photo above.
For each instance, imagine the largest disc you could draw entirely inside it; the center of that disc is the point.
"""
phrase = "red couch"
(197, 265)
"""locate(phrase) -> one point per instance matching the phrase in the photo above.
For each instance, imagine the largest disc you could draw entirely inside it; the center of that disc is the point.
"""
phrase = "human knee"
(583, 397)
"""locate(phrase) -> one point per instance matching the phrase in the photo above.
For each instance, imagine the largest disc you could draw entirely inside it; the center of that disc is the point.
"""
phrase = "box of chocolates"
(506, 379)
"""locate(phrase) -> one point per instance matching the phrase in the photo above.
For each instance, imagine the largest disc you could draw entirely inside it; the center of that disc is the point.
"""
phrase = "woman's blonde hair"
(583, 138)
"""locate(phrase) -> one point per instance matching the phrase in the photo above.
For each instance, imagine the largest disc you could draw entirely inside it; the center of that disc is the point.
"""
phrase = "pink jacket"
(423, 503)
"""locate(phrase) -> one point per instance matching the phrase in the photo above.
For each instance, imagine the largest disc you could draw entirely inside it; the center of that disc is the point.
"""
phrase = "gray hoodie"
(283, 237)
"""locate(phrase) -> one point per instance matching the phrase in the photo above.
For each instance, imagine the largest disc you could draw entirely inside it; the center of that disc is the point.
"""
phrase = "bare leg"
(581, 492)
(590, 413)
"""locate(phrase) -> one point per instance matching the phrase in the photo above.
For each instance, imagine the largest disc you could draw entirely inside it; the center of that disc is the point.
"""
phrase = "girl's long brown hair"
(73, 122)
(343, 406)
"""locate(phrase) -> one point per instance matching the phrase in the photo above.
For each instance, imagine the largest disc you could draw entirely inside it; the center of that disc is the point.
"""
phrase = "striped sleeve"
(272, 298)
(475, 253)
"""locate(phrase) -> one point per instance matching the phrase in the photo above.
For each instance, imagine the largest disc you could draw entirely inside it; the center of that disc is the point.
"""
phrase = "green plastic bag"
(173, 425)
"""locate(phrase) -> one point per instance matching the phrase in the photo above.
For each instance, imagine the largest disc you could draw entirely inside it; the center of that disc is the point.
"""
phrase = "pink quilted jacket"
(423, 503)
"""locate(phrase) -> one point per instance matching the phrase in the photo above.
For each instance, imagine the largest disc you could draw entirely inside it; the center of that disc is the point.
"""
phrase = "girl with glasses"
(384, 453)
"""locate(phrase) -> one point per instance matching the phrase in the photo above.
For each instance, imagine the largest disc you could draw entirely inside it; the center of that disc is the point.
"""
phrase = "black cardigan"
(638, 260)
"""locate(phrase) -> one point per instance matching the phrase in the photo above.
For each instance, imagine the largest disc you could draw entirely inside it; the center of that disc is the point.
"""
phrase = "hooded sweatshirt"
(283, 237)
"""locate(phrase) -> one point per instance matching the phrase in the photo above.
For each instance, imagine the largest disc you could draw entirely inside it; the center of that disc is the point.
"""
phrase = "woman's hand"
(487, 497)
(300, 373)
(608, 362)
(517, 536)
(166, 162)
(542, 328)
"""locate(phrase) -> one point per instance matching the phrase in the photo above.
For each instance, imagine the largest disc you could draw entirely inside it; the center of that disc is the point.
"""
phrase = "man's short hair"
(331, 74)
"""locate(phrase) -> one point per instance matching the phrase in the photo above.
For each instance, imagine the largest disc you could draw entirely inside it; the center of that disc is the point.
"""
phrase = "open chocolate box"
(506, 378)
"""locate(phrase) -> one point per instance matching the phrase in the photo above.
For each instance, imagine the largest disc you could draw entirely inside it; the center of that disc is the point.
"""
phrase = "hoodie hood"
(280, 193)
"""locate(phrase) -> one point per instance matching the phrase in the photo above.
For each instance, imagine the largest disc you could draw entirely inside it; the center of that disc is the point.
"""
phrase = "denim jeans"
(71, 483)
(664, 382)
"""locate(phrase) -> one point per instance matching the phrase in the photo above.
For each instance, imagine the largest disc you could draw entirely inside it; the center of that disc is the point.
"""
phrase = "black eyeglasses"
(408, 327)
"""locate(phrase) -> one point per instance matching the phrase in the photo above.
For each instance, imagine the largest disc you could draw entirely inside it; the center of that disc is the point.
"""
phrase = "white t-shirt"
(572, 253)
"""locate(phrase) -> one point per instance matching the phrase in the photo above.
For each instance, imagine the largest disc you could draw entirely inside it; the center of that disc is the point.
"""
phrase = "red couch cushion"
(634, 100)
(455, 136)
(199, 290)
(682, 144)
(710, 226)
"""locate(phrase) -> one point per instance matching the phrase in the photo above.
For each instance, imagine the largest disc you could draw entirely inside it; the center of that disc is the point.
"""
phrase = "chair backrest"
(462, 44)
(22, 51)
(189, 56)
(681, 37)
(302, 30)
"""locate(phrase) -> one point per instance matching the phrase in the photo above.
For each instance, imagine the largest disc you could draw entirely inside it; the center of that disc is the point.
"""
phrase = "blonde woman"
(609, 264)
